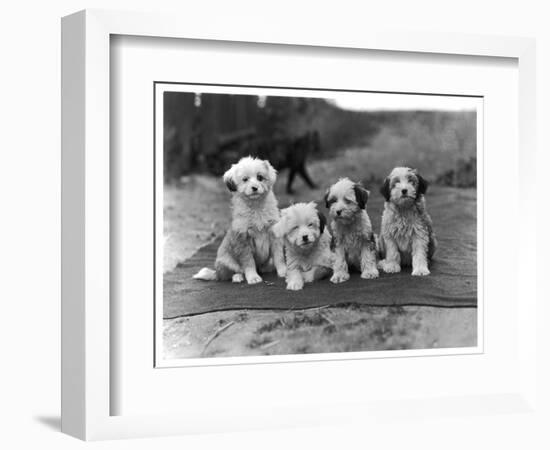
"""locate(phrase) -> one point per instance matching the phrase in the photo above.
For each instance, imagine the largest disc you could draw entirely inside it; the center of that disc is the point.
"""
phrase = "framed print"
(299, 131)
(249, 216)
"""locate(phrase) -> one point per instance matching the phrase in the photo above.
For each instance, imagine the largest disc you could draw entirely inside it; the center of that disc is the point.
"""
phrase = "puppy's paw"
(389, 267)
(420, 271)
(295, 285)
(254, 279)
(339, 277)
(237, 278)
(370, 273)
(281, 272)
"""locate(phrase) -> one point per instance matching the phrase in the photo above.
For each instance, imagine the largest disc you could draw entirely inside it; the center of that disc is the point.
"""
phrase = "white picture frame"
(86, 284)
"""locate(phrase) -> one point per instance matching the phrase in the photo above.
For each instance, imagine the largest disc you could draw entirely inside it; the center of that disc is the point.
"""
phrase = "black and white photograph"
(314, 222)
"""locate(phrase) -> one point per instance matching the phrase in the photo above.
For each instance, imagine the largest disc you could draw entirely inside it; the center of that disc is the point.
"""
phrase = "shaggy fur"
(353, 237)
(249, 245)
(406, 235)
(307, 244)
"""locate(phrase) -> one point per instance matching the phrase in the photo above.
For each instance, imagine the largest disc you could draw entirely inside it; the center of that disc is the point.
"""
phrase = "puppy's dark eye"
(310, 225)
(260, 177)
(347, 201)
(245, 179)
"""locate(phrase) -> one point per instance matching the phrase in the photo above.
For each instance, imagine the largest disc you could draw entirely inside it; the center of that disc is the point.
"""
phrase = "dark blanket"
(452, 282)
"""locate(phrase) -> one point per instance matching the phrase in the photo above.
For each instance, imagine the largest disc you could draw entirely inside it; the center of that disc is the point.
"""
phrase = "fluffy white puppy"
(249, 245)
(354, 241)
(306, 243)
(406, 234)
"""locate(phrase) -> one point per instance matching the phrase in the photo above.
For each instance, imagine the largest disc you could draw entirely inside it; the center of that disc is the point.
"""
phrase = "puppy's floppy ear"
(385, 189)
(271, 172)
(422, 185)
(229, 180)
(322, 221)
(361, 195)
(327, 204)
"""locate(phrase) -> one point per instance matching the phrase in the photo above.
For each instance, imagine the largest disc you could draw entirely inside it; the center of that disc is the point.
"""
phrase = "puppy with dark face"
(306, 243)
(354, 240)
(406, 235)
(249, 245)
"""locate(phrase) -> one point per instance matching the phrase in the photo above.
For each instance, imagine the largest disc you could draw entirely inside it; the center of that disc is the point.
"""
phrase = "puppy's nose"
(305, 238)
(254, 188)
(339, 212)
(404, 191)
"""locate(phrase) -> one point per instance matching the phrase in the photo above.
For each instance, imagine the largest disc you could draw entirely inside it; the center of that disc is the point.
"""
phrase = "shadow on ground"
(51, 422)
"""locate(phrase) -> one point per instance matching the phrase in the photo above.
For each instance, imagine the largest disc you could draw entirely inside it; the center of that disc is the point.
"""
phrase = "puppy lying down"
(306, 243)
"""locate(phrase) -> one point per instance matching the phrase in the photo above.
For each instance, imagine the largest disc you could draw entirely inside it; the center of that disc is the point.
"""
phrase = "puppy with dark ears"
(351, 226)
(406, 234)
(420, 188)
(306, 243)
(249, 246)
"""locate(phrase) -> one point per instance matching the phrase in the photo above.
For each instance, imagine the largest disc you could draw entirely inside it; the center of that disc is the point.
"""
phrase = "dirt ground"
(197, 211)
(320, 330)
